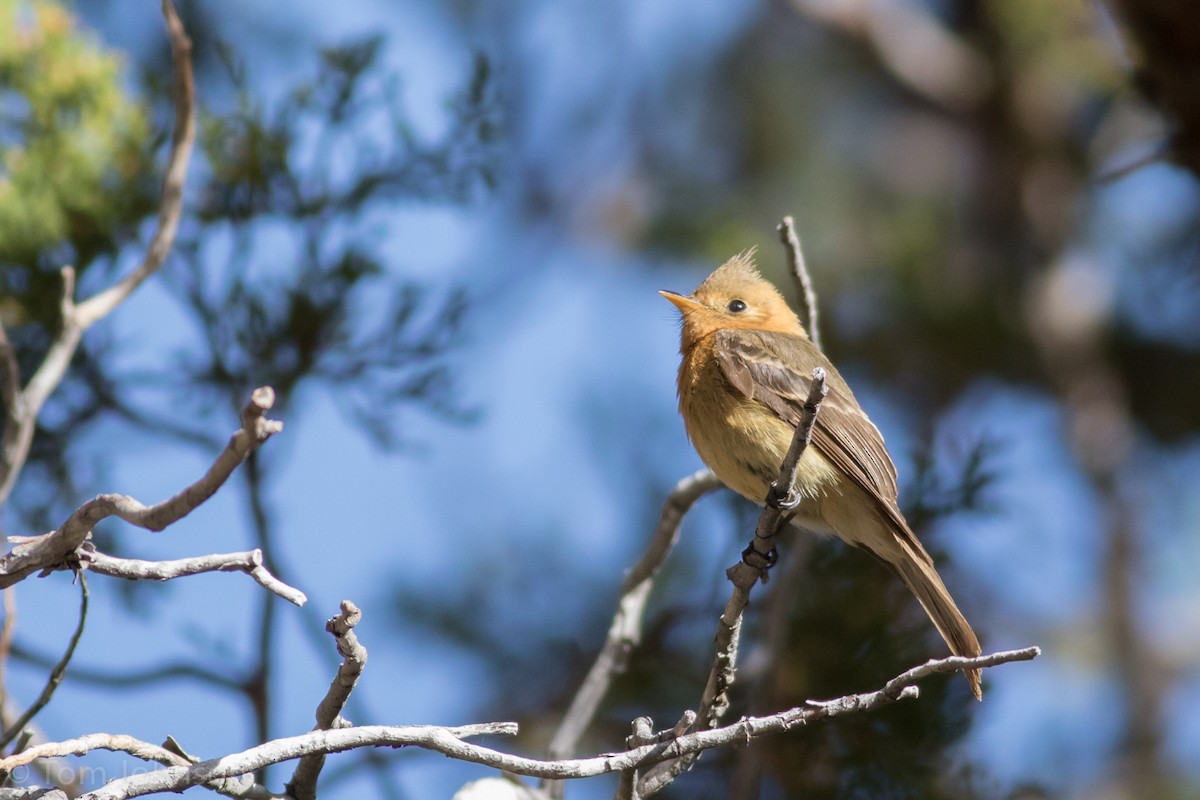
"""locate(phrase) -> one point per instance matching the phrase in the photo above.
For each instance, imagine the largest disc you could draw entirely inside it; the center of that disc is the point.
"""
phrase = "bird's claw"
(780, 499)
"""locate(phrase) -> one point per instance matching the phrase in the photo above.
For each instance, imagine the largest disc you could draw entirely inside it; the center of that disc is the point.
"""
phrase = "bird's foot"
(761, 561)
(782, 500)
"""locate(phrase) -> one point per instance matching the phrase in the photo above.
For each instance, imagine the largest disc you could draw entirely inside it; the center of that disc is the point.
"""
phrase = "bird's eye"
(736, 306)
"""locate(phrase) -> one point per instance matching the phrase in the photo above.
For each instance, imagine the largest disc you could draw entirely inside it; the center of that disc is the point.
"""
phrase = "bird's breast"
(741, 439)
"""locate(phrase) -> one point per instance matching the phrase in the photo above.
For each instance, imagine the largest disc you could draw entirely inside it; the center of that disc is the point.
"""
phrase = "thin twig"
(625, 632)
(256, 429)
(58, 548)
(757, 558)
(56, 674)
(805, 293)
(303, 785)
(449, 741)
(44, 380)
(899, 688)
(169, 213)
(141, 678)
(21, 415)
(666, 530)
(250, 562)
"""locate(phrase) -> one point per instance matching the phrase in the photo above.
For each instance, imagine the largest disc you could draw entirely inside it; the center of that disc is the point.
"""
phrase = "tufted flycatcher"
(745, 373)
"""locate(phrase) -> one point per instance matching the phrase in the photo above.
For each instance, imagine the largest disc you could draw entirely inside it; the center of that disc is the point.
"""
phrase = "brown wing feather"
(776, 369)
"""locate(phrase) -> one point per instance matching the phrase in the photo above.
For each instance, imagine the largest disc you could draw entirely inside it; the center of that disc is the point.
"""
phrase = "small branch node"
(344, 622)
(685, 723)
(642, 733)
(171, 744)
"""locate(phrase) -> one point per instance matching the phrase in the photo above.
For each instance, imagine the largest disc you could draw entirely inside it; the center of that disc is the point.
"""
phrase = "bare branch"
(250, 562)
(24, 411)
(95, 741)
(57, 548)
(34, 793)
(666, 532)
(449, 741)
(236, 786)
(443, 740)
(899, 688)
(805, 294)
(21, 415)
(171, 210)
(56, 674)
(53, 367)
(757, 558)
(303, 785)
(944, 666)
(625, 632)
(256, 429)
(51, 771)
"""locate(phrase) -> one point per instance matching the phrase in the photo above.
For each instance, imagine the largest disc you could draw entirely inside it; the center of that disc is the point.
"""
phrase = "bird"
(744, 375)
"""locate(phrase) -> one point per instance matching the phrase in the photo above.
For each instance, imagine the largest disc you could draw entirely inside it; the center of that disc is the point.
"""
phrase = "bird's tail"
(916, 569)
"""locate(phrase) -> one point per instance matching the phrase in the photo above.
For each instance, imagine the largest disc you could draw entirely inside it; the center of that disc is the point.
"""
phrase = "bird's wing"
(776, 369)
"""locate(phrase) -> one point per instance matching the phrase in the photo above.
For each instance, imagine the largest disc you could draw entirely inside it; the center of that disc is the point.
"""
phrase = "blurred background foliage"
(451, 218)
(72, 141)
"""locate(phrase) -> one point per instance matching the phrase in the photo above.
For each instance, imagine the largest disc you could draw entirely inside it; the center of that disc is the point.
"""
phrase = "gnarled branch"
(22, 410)
(60, 548)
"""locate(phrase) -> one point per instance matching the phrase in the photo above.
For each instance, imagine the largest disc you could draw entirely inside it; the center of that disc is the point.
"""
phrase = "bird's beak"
(682, 302)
